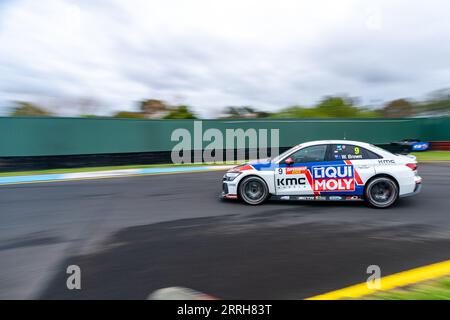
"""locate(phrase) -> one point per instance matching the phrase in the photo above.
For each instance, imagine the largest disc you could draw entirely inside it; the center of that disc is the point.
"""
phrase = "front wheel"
(253, 190)
(381, 192)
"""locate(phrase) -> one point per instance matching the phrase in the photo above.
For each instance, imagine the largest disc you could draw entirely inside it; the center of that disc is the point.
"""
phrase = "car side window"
(310, 154)
(370, 155)
(350, 152)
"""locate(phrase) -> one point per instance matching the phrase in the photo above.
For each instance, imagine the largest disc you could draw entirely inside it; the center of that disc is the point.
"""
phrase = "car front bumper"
(229, 190)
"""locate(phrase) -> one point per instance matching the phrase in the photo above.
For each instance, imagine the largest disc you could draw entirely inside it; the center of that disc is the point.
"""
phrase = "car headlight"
(230, 176)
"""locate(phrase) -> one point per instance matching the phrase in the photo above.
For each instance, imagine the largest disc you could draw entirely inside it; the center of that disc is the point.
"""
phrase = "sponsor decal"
(305, 198)
(338, 171)
(352, 156)
(333, 178)
(321, 198)
(287, 182)
(296, 170)
(334, 184)
(353, 198)
(326, 178)
(386, 161)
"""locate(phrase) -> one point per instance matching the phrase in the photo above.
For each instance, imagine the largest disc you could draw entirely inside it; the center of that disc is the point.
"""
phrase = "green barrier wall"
(70, 136)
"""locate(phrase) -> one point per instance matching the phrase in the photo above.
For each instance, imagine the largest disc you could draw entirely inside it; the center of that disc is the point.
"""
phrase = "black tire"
(253, 190)
(381, 192)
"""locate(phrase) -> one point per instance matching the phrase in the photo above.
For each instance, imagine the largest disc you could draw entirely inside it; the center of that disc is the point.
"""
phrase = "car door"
(295, 179)
(348, 169)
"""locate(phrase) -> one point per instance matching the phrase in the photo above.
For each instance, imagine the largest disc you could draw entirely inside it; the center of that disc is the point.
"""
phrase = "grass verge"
(438, 289)
(432, 156)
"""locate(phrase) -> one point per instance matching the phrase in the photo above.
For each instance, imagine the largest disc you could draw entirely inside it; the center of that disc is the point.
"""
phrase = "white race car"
(336, 170)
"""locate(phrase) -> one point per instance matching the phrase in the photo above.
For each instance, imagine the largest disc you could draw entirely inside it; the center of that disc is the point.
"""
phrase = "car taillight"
(412, 166)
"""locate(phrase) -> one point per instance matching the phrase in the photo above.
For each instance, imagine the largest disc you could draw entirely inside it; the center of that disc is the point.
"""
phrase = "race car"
(412, 145)
(336, 170)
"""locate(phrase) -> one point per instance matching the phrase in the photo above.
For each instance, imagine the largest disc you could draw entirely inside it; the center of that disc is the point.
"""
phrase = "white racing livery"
(336, 170)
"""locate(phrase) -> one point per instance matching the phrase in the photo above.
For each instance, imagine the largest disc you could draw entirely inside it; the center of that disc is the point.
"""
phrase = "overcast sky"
(210, 54)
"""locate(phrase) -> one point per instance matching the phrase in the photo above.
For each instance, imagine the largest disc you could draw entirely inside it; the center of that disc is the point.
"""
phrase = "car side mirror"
(289, 161)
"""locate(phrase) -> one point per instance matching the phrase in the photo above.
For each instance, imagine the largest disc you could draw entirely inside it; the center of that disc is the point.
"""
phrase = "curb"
(401, 279)
(105, 174)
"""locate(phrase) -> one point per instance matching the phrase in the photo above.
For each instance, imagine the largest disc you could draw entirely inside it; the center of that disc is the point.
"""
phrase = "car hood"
(256, 164)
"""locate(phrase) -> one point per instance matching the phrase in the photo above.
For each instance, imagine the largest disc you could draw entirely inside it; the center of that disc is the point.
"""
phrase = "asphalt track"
(133, 235)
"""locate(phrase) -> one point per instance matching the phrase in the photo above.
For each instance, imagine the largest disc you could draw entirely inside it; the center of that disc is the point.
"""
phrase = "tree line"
(436, 104)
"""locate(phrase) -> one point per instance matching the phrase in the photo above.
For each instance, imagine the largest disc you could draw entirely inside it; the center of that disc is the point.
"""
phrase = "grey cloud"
(125, 55)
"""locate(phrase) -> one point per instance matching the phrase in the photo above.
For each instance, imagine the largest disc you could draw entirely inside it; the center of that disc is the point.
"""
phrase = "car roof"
(334, 142)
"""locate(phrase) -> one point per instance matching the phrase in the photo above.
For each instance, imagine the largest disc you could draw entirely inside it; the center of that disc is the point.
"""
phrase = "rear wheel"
(253, 190)
(381, 192)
